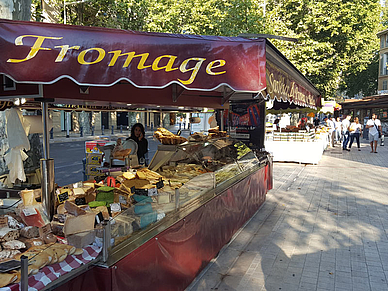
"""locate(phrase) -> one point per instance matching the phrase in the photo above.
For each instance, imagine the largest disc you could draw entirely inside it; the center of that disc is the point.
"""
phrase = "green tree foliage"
(337, 38)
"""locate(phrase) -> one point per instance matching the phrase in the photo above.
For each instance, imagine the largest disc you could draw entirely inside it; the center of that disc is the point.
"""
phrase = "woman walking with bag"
(355, 131)
(374, 126)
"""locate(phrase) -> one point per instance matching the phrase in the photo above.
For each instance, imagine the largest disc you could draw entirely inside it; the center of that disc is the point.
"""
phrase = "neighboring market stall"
(163, 224)
(292, 144)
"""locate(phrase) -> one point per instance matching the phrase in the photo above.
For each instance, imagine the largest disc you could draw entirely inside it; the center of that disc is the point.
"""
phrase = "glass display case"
(193, 173)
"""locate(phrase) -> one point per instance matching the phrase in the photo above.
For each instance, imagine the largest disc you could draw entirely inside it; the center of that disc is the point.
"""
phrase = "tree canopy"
(337, 39)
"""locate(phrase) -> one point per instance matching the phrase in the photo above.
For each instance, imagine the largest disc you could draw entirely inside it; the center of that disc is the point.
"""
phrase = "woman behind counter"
(138, 135)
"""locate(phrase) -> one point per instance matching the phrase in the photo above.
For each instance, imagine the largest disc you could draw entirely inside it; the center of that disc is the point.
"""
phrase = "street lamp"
(69, 3)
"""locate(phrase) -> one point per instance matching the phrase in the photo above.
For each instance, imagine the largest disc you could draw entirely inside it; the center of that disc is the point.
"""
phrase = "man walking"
(345, 132)
(331, 126)
(374, 126)
(338, 131)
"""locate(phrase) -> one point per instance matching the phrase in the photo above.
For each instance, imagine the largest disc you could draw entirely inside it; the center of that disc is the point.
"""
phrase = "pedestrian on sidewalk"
(338, 130)
(355, 130)
(374, 126)
(331, 126)
(345, 132)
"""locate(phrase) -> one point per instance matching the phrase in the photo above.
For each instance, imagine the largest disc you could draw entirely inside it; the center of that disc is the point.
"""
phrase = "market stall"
(161, 226)
(292, 144)
(300, 147)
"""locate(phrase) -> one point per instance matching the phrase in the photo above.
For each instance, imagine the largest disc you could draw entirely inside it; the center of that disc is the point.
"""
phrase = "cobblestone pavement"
(323, 227)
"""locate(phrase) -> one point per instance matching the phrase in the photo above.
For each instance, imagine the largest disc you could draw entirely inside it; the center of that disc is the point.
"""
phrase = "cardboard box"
(91, 170)
(93, 159)
(91, 146)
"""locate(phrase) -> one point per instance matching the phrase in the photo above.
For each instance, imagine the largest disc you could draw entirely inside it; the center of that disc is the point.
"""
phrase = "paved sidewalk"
(323, 227)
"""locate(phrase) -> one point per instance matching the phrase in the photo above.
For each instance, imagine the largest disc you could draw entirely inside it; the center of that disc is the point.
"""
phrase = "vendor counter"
(167, 232)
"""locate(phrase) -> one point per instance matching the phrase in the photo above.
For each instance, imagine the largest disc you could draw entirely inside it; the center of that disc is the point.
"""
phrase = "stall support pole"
(47, 168)
(106, 241)
(222, 120)
(67, 124)
(24, 273)
(45, 118)
(177, 196)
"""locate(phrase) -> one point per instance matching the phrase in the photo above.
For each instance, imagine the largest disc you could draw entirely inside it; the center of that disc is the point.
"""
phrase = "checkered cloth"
(50, 273)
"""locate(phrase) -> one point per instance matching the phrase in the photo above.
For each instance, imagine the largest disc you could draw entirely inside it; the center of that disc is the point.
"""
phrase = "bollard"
(81, 131)
(24, 273)
(121, 128)
(102, 129)
(112, 129)
(382, 140)
(92, 130)
(52, 133)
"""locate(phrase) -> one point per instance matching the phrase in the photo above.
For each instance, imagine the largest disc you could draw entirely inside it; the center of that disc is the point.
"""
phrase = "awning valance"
(44, 53)
(89, 64)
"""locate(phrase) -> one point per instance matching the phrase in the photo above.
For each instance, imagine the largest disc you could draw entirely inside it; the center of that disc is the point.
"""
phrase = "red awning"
(89, 64)
(35, 52)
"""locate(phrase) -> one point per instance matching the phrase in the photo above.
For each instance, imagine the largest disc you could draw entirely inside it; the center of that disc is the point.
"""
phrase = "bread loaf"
(7, 234)
(29, 232)
(57, 228)
(13, 223)
(7, 278)
(8, 254)
(14, 245)
(31, 242)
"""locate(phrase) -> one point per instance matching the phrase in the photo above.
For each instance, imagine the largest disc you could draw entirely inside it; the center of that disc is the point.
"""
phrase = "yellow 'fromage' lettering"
(194, 70)
(34, 49)
(81, 56)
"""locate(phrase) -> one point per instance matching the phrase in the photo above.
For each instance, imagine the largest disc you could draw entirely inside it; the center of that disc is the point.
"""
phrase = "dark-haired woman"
(138, 135)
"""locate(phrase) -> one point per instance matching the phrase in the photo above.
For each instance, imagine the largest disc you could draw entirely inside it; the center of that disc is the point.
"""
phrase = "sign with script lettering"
(43, 53)
(282, 87)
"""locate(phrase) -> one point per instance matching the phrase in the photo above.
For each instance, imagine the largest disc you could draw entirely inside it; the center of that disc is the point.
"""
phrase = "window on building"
(385, 82)
(383, 64)
(382, 41)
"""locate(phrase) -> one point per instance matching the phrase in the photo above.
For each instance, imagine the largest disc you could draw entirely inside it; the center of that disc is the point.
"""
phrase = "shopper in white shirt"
(345, 132)
(331, 126)
(355, 130)
(338, 130)
(374, 126)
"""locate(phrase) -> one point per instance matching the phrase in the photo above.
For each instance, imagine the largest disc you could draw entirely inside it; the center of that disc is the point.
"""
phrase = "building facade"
(382, 86)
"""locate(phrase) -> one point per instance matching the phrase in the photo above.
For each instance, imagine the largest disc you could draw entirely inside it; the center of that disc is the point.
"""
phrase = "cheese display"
(130, 201)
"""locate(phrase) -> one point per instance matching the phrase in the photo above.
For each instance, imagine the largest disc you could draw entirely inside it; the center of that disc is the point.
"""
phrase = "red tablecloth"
(50, 273)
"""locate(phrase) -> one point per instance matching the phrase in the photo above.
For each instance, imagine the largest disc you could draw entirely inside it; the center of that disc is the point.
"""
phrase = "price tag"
(63, 197)
(115, 207)
(122, 199)
(99, 218)
(152, 192)
(45, 230)
(160, 184)
(80, 201)
(3, 222)
(29, 211)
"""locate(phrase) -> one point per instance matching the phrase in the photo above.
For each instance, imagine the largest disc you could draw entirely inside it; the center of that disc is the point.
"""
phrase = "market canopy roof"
(110, 65)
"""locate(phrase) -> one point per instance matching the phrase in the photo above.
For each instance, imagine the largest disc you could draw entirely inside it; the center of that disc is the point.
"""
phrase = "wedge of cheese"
(76, 224)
